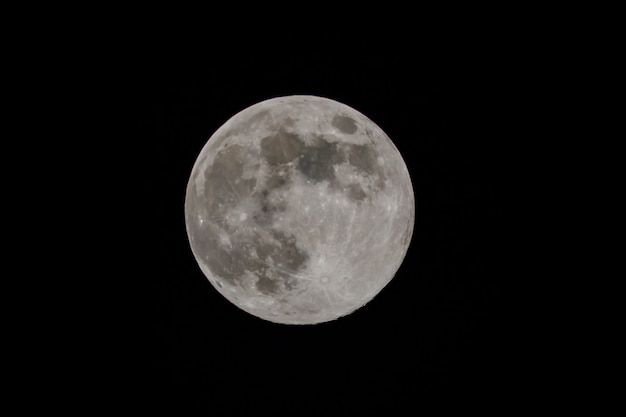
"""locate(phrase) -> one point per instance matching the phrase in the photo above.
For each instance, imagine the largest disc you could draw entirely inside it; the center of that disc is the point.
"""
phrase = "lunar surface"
(299, 210)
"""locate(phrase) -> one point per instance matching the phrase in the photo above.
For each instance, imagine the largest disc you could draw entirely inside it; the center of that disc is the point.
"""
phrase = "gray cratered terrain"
(299, 210)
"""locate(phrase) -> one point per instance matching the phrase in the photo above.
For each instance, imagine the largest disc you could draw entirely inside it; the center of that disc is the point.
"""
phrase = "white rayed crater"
(299, 210)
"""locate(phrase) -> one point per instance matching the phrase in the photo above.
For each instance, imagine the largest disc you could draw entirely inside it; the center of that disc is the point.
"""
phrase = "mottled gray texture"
(299, 210)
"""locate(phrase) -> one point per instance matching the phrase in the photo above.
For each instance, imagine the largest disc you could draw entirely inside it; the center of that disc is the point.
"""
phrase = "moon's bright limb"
(299, 210)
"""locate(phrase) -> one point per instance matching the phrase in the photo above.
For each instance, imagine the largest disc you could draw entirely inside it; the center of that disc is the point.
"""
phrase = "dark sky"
(443, 323)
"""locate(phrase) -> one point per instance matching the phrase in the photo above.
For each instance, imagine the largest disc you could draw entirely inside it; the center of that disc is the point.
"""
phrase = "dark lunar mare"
(345, 124)
(222, 191)
(255, 247)
(281, 147)
(317, 161)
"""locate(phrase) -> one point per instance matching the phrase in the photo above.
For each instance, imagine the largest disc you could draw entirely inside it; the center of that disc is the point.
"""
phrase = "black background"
(442, 327)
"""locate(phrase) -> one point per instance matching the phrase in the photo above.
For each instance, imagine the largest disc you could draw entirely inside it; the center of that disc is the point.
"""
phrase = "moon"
(299, 210)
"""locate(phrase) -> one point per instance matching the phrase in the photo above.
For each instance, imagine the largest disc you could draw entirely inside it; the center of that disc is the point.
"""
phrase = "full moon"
(299, 210)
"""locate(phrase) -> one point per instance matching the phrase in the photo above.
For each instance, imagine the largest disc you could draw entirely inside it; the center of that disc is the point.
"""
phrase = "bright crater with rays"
(299, 210)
